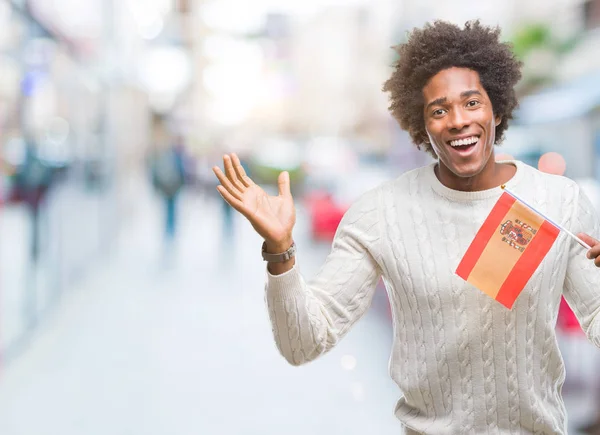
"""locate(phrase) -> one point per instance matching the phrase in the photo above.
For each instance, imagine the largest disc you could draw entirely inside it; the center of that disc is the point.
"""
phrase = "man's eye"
(438, 112)
(472, 103)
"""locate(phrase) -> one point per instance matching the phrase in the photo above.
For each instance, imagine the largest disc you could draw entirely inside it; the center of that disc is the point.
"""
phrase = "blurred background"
(131, 297)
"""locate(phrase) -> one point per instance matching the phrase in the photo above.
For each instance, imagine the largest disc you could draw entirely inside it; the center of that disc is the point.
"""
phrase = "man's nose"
(458, 120)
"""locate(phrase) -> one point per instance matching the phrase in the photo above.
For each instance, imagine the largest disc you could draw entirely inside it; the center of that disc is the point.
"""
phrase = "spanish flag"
(508, 248)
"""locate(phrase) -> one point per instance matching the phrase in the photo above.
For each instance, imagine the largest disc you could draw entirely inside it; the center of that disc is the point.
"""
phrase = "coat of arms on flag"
(507, 249)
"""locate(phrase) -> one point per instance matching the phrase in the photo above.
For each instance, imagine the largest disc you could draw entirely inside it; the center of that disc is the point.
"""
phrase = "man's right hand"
(273, 217)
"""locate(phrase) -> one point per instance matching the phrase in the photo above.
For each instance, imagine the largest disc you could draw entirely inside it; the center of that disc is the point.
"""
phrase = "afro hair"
(443, 45)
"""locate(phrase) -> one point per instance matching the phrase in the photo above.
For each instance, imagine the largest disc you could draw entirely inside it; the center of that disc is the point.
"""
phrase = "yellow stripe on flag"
(499, 256)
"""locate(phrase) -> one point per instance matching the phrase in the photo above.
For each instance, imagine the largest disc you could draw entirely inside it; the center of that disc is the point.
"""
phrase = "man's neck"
(493, 175)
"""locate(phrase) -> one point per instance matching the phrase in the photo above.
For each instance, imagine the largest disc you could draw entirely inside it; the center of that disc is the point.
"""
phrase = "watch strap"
(278, 258)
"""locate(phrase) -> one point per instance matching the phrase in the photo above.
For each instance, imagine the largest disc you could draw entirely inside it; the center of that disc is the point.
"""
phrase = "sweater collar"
(462, 196)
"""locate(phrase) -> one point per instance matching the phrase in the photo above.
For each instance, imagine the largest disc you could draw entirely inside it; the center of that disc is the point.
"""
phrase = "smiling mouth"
(465, 144)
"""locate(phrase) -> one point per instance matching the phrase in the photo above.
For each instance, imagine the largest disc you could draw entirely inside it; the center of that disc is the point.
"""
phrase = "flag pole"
(581, 242)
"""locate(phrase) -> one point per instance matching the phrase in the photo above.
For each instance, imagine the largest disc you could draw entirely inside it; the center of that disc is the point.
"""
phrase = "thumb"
(284, 184)
(588, 239)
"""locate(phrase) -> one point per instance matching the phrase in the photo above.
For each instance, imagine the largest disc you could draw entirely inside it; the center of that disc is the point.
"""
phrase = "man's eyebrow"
(442, 100)
(436, 102)
(469, 93)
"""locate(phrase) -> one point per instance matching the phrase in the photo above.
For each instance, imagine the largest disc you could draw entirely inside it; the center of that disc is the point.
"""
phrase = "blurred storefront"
(69, 123)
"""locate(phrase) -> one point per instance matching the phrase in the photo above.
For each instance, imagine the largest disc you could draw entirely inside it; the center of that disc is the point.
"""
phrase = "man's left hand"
(594, 253)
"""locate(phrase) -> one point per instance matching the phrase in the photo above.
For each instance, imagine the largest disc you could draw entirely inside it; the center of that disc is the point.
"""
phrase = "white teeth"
(467, 141)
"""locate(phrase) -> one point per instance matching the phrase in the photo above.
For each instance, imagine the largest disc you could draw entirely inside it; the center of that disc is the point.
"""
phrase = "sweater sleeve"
(582, 280)
(309, 318)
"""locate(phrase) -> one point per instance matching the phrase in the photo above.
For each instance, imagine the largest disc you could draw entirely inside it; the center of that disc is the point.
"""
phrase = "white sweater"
(464, 363)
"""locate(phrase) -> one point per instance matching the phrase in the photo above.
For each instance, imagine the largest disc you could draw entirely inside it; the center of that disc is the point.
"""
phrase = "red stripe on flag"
(527, 264)
(484, 235)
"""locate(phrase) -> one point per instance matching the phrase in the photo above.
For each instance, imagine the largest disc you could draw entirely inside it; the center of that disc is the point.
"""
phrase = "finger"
(597, 261)
(233, 191)
(239, 170)
(231, 200)
(284, 184)
(588, 239)
(231, 175)
(595, 251)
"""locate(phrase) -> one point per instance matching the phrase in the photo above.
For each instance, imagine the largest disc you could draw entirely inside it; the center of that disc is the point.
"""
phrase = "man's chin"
(466, 170)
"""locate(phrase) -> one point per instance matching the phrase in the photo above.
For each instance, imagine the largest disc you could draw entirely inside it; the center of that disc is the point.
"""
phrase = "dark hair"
(443, 45)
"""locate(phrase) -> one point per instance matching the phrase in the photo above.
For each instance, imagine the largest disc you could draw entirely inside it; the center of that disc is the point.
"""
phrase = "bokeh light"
(552, 163)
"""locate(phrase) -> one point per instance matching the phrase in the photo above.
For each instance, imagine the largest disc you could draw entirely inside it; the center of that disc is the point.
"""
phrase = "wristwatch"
(278, 258)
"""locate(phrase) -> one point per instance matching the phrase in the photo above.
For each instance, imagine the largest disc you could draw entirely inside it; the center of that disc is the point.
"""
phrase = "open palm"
(273, 217)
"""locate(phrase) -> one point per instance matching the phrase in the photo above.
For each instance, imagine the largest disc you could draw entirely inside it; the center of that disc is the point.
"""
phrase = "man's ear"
(498, 120)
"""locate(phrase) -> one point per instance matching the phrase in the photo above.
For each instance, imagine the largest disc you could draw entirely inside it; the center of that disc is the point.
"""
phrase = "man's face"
(459, 120)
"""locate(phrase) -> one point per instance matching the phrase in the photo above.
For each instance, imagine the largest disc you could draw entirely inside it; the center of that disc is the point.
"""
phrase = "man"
(464, 362)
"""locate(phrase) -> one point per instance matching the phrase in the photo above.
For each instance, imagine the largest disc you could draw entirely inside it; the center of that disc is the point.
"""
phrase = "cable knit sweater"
(463, 362)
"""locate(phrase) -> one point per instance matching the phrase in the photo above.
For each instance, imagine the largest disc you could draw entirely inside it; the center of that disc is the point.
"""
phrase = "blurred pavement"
(147, 346)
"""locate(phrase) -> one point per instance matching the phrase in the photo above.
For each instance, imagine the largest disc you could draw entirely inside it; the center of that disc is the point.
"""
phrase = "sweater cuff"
(287, 285)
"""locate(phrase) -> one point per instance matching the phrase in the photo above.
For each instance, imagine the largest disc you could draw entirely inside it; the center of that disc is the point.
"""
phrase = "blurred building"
(296, 70)
(75, 104)
(559, 110)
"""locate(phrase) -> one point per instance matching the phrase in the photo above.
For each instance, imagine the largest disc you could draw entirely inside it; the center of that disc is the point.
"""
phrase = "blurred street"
(131, 300)
(144, 346)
